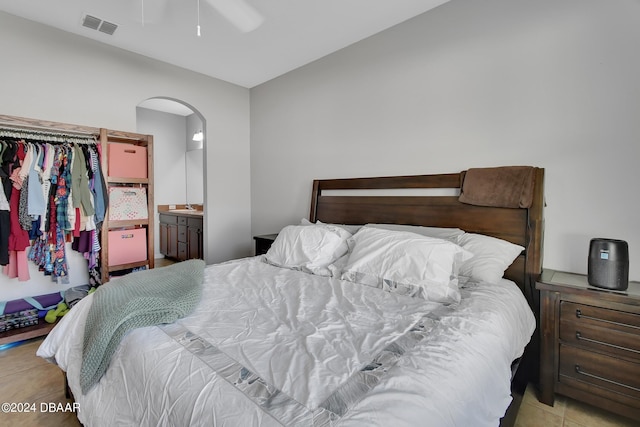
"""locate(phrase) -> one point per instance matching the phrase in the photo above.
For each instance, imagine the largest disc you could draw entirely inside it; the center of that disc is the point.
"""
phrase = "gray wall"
(547, 83)
(52, 75)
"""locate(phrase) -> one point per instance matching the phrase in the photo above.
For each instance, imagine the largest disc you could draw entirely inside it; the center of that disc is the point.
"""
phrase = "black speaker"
(609, 264)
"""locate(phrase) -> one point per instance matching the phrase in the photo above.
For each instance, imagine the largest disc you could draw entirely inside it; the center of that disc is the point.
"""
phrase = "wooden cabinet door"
(164, 239)
(172, 245)
(182, 251)
(194, 242)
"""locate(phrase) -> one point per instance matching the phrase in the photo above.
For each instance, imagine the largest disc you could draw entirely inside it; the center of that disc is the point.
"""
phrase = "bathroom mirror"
(194, 161)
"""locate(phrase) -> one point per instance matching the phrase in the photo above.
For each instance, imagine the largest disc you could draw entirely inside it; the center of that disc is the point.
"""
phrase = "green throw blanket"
(145, 298)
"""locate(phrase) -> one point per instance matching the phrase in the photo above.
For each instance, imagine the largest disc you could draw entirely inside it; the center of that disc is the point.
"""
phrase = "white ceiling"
(293, 33)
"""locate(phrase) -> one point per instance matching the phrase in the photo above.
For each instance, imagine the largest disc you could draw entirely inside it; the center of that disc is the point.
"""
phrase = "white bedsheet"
(305, 336)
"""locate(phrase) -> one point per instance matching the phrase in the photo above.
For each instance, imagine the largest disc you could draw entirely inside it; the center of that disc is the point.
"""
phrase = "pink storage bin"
(127, 246)
(127, 160)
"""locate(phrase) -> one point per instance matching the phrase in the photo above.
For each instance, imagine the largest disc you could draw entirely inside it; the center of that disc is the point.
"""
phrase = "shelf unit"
(107, 137)
(28, 332)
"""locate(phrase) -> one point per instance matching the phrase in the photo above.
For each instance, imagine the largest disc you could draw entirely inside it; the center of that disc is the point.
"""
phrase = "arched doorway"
(179, 132)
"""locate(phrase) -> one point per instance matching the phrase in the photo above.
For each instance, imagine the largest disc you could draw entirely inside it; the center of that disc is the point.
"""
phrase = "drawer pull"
(579, 315)
(579, 337)
(597, 377)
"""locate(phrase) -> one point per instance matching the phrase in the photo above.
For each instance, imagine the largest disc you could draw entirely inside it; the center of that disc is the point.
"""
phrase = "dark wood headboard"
(521, 226)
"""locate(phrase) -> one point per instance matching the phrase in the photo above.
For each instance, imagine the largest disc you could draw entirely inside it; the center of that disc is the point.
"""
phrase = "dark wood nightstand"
(590, 343)
(263, 242)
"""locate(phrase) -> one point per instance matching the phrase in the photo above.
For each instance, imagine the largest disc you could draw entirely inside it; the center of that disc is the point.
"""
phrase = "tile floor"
(566, 413)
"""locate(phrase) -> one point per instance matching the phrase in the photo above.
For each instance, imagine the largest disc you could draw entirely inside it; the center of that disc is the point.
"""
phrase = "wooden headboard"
(521, 226)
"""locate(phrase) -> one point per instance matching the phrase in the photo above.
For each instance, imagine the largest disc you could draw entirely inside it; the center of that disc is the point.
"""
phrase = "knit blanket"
(144, 298)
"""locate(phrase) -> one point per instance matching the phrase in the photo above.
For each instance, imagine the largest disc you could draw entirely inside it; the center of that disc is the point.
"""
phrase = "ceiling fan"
(239, 13)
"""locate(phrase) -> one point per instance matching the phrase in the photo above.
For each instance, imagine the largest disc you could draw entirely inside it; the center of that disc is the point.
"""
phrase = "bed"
(272, 342)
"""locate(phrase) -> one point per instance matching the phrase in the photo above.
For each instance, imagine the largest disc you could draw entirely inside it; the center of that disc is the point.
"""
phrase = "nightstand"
(590, 343)
(263, 242)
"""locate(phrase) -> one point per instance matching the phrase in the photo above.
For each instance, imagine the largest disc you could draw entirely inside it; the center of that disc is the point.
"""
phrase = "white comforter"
(270, 346)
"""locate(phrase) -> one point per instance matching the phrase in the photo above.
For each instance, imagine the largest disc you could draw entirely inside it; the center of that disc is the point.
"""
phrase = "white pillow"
(450, 234)
(308, 248)
(404, 262)
(491, 257)
(353, 229)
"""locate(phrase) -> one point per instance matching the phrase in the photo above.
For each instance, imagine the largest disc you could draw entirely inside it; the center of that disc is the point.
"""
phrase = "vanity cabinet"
(181, 235)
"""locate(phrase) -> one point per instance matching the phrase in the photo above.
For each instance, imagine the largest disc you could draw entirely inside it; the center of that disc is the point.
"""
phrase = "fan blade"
(239, 13)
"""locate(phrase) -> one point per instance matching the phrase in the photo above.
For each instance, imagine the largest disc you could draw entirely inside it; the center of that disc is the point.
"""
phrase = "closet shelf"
(126, 137)
(118, 180)
(28, 332)
(127, 223)
(128, 266)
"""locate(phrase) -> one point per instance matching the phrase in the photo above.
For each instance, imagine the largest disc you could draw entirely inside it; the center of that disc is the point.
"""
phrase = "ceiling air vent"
(91, 22)
(108, 27)
(98, 24)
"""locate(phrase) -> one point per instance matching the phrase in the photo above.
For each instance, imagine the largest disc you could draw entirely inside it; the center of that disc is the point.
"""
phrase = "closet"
(103, 157)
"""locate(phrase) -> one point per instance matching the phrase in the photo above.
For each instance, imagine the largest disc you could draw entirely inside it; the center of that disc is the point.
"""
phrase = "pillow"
(308, 248)
(406, 263)
(491, 257)
(353, 229)
(451, 234)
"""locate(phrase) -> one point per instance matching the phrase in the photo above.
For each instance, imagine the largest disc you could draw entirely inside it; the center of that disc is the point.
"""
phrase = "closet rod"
(45, 125)
(48, 135)
(44, 130)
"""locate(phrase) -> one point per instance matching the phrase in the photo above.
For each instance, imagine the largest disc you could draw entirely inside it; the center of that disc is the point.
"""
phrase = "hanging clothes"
(63, 191)
(18, 237)
(49, 252)
(36, 202)
(50, 191)
(87, 241)
(8, 161)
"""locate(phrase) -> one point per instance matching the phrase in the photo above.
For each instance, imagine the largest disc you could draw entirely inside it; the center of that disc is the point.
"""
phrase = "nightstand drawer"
(608, 331)
(610, 319)
(612, 377)
(612, 342)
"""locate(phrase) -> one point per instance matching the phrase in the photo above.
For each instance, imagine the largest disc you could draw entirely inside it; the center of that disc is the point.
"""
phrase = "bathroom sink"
(186, 211)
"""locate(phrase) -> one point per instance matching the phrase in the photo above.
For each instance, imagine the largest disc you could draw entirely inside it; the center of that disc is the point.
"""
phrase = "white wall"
(53, 75)
(469, 84)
